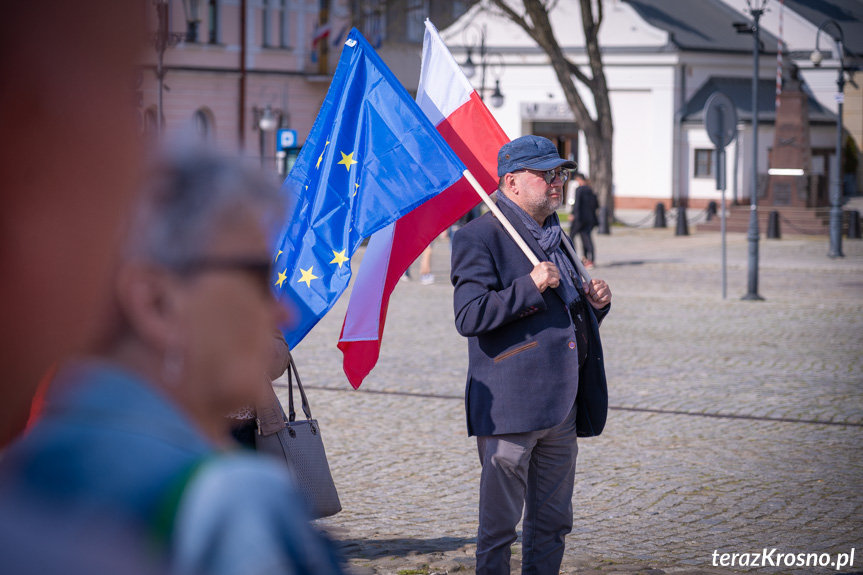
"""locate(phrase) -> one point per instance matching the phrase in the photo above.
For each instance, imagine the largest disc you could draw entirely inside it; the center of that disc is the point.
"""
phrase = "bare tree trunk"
(599, 130)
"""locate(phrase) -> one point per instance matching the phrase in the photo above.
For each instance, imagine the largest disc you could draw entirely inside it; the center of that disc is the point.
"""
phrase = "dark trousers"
(533, 472)
(586, 242)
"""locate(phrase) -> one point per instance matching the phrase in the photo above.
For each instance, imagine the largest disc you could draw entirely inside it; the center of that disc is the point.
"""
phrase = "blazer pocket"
(519, 349)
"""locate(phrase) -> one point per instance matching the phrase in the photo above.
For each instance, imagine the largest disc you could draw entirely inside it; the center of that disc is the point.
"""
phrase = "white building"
(248, 55)
(658, 55)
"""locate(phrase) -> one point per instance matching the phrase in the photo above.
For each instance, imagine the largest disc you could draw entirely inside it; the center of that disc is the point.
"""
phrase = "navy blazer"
(523, 361)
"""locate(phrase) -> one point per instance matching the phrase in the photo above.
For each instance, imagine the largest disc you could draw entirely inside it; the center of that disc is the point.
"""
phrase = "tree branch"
(535, 36)
(599, 129)
(582, 77)
(544, 37)
(515, 17)
(591, 43)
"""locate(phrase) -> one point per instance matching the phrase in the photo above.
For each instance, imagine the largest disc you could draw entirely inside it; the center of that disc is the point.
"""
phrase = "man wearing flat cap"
(536, 378)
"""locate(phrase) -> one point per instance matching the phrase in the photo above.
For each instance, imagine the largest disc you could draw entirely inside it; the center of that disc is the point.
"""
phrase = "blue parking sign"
(285, 139)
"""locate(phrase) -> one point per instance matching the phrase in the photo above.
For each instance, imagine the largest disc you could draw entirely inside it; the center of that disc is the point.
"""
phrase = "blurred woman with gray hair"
(137, 432)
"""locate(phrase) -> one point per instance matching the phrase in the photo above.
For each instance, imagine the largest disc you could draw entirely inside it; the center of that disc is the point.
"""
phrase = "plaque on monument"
(782, 193)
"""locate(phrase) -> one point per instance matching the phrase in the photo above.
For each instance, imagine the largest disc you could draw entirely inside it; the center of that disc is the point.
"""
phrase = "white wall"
(644, 93)
(744, 175)
(621, 26)
(701, 188)
(695, 137)
(642, 101)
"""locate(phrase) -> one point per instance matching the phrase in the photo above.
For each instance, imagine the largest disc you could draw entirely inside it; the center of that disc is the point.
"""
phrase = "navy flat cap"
(533, 152)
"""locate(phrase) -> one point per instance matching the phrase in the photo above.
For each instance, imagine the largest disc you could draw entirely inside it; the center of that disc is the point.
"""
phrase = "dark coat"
(523, 362)
(584, 210)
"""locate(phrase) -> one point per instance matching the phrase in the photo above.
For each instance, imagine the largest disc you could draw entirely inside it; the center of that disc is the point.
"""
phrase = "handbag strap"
(270, 417)
(292, 372)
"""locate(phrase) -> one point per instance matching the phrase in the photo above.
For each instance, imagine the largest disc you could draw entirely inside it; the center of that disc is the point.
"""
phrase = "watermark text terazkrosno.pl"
(775, 558)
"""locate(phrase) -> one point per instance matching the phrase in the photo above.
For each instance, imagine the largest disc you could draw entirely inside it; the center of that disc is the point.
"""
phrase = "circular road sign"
(720, 119)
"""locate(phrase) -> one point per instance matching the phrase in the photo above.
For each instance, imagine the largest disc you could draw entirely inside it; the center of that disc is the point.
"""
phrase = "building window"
(417, 11)
(266, 40)
(213, 21)
(373, 21)
(283, 24)
(203, 125)
(704, 161)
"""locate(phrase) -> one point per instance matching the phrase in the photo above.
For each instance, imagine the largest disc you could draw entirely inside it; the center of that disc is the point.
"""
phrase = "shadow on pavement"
(642, 262)
(400, 547)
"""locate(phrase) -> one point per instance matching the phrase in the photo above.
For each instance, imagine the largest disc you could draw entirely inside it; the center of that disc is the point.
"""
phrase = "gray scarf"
(549, 236)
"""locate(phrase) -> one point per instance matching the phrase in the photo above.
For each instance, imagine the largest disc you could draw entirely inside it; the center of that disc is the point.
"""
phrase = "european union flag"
(371, 157)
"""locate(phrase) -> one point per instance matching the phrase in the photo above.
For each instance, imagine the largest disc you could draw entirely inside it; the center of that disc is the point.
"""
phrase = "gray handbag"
(300, 446)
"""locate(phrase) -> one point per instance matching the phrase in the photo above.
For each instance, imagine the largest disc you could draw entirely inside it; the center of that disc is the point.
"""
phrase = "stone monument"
(792, 149)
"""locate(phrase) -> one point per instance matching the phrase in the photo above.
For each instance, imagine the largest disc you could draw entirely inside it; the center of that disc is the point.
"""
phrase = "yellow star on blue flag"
(390, 160)
(308, 276)
(348, 160)
(339, 258)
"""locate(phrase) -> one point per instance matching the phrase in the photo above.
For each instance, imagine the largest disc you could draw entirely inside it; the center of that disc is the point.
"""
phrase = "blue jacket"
(523, 360)
(108, 446)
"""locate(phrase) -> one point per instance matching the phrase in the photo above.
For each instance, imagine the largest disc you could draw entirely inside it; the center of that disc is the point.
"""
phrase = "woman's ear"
(148, 299)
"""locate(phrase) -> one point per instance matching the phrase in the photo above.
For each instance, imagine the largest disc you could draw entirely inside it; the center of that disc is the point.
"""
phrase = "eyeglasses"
(260, 269)
(549, 175)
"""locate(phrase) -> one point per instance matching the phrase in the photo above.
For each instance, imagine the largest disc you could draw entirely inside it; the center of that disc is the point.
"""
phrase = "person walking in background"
(426, 277)
(136, 433)
(529, 331)
(583, 218)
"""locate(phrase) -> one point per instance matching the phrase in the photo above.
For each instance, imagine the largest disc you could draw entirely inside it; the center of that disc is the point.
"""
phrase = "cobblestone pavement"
(735, 426)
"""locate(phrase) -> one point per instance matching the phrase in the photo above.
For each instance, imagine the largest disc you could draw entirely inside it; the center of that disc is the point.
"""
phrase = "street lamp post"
(836, 168)
(193, 18)
(752, 236)
(162, 38)
(266, 120)
(469, 68)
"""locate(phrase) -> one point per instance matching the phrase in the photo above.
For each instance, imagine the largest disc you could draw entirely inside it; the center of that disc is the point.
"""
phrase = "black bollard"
(682, 225)
(659, 222)
(853, 224)
(603, 221)
(711, 211)
(773, 232)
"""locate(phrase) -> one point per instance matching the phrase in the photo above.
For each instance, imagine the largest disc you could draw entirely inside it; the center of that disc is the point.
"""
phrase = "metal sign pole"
(720, 183)
(720, 121)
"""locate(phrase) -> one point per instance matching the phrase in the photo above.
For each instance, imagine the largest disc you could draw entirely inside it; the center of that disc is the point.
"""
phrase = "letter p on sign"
(285, 139)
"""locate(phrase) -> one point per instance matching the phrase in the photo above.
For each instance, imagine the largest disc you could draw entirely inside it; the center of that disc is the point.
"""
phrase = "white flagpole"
(585, 277)
(511, 230)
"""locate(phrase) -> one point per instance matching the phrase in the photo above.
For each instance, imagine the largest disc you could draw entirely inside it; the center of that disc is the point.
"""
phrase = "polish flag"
(453, 106)
(320, 33)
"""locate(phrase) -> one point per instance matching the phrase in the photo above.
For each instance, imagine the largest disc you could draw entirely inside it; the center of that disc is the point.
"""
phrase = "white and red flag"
(446, 96)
